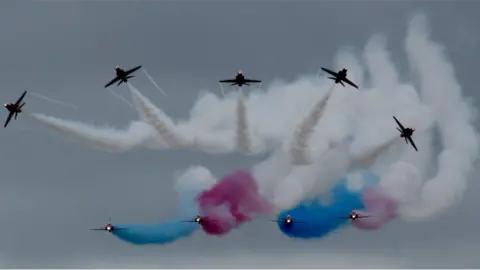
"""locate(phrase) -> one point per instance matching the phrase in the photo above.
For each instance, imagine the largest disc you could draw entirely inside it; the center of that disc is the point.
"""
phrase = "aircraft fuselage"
(121, 74)
(12, 108)
(240, 79)
(342, 74)
(407, 132)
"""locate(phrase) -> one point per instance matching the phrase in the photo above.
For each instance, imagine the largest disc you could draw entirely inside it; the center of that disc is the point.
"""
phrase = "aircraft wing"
(8, 119)
(350, 82)
(412, 143)
(112, 82)
(227, 81)
(399, 124)
(128, 72)
(330, 72)
(21, 98)
(252, 81)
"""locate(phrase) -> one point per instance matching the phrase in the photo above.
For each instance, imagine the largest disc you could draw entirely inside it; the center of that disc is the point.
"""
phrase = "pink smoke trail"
(231, 202)
(380, 208)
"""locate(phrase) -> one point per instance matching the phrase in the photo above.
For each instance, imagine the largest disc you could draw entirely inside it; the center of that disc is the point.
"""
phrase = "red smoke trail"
(380, 208)
(231, 202)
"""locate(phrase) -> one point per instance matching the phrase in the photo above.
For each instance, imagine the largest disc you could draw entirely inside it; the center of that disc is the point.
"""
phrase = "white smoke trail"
(121, 98)
(154, 83)
(368, 158)
(243, 133)
(300, 147)
(53, 100)
(105, 138)
(165, 128)
(357, 125)
(454, 117)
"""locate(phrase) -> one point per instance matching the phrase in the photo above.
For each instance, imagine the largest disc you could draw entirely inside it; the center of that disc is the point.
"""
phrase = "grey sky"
(53, 190)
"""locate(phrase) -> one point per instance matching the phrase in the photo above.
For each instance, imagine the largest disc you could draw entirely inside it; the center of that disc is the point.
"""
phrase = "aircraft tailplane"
(233, 84)
(120, 82)
(22, 105)
(342, 84)
(16, 114)
(131, 76)
(332, 78)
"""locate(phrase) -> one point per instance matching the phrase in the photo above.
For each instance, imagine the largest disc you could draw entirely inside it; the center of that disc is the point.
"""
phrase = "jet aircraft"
(340, 77)
(122, 75)
(288, 220)
(406, 133)
(199, 220)
(354, 215)
(109, 227)
(14, 108)
(240, 80)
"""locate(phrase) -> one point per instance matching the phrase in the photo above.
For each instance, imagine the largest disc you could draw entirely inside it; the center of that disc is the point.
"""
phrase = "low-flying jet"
(122, 75)
(354, 215)
(240, 80)
(199, 220)
(109, 227)
(288, 220)
(340, 77)
(14, 108)
(406, 133)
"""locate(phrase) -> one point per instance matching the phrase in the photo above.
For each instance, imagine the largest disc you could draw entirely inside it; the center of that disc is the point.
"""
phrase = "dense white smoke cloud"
(316, 133)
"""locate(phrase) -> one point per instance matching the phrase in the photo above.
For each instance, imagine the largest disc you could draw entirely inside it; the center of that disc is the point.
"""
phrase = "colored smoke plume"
(380, 208)
(319, 217)
(235, 199)
(188, 185)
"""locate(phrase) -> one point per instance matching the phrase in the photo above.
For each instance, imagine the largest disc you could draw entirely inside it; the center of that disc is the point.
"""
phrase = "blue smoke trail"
(319, 219)
(168, 231)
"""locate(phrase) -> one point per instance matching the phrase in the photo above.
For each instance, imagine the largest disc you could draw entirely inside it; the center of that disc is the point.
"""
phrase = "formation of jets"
(122, 76)
(288, 220)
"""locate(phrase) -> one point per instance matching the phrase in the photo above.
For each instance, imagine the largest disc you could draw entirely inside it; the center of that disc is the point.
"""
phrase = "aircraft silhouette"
(109, 227)
(340, 77)
(288, 220)
(122, 75)
(14, 108)
(199, 220)
(354, 215)
(240, 80)
(406, 133)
